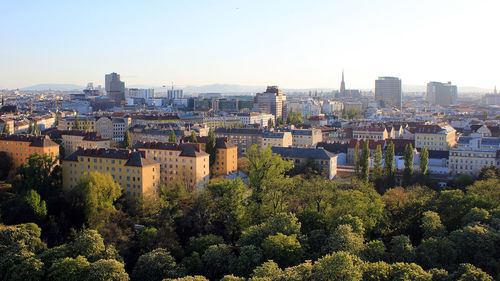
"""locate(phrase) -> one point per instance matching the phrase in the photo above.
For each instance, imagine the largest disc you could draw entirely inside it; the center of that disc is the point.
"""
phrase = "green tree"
(76, 123)
(357, 163)
(283, 249)
(264, 165)
(86, 124)
(374, 251)
(389, 164)
(436, 252)
(172, 137)
(30, 128)
(6, 129)
(36, 207)
(345, 239)
(127, 142)
(250, 256)
(217, 259)
(38, 173)
(270, 123)
(110, 270)
(211, 147)
(409, 271)
(431, 225)
(338, 266)
(5, 165)
(155, 265)
(30, 269)
(68, 269)
(267, 271)
(193, 138)
(468, 272)
(95, 194)
(424, 161)
(401, 249)
(408, 171)
(365, 162)
(377, 169)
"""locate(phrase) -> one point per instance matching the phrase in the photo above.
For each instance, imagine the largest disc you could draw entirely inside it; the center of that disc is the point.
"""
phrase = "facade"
(272, 101)
(137, 175)
(72, 140)
(120, 126)
(226, 160)
(473, 153)
(20, 147)
(388, 92)
(370, 133)
(175, 94)
(279, 139)
(442, 93)
(323, 160)
(243, 138)
(435, 137)
(250, 118)
(186, 163)
(306, 137)
(115, 88)
(101, 125)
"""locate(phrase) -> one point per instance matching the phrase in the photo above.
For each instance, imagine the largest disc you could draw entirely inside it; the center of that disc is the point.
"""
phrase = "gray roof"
(300, 152)
(302, 132)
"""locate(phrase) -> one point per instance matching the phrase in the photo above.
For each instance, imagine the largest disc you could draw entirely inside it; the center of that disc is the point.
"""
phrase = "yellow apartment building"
(137, 175)
(226, 160)
(186, 163)
(72, 140)
(280, 139)
(435, 137)
(20, 146)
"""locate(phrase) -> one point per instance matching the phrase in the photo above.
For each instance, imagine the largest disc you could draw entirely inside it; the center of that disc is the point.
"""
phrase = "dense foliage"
(276, 227)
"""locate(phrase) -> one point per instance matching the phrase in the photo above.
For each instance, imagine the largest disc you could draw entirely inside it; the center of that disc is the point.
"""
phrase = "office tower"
(175, 94)
(272, 101)
(441, 93)
(388, 92)
(115, 89)
(342, 85)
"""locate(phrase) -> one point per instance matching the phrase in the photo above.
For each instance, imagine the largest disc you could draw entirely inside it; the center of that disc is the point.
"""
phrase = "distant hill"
(224, 88)
(55, 87)
(461, 89)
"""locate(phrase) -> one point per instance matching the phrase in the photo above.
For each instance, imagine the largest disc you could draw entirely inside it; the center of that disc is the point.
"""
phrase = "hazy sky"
(294, 44)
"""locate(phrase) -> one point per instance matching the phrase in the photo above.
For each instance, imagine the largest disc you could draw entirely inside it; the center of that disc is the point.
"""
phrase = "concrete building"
(72, 140)
(306, 137)
(473, 153)
(442, 93)
(272, 101)
(388, 92)
(115, 88)
(323, 160)
(370, 133)
(186, 163)
(243, 138)
(278, 139)
(137, 175)
(175, 94)
(250, 118)
(435, 137)
(19, 147)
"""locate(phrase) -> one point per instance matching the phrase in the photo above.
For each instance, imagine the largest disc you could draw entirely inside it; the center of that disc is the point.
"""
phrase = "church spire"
(342, 84)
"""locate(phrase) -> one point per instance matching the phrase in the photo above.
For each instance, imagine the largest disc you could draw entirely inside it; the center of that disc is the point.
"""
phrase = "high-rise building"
(272, 101)
(388, 92)
(115, 88)
(342, 85)
(175, 94)
(441, 93)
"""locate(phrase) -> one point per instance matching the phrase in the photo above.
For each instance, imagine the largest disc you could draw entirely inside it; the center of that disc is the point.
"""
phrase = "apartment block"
(72, 140)
(20, 146)
(323, 160)
(435, 137)
(186, 163)
(306, 137)
(137, 175)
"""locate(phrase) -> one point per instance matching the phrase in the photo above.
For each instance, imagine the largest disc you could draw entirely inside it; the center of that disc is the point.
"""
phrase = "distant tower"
(494, 91)
(342, 84)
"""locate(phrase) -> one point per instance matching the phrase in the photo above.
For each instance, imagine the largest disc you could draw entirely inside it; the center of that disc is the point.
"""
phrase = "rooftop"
(299, 152)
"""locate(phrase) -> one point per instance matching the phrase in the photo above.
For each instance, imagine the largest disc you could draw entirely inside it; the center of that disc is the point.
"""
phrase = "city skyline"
(287, 43)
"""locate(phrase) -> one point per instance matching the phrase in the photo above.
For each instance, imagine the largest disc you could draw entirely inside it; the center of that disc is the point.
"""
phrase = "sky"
(290, 43)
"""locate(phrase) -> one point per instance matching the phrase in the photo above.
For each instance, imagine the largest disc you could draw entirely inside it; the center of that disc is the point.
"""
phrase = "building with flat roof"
(272, 101)
(442, 93)
(388, 92)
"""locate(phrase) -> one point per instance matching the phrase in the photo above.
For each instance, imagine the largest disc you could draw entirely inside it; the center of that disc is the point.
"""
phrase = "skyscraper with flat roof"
(272, 101)
(388, 91)
(115, 88)
(442, 93)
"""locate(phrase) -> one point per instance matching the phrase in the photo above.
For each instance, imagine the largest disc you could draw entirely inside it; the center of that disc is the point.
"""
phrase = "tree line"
(272, 226)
